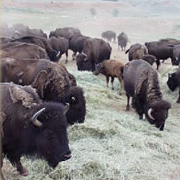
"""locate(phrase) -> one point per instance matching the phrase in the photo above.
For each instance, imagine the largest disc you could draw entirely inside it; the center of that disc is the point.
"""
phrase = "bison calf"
(111, 68)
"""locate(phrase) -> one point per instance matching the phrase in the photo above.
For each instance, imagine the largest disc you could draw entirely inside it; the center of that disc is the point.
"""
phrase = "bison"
(174, 81)
(136, 51)
(22, 50)
(149, 58)
(59, 44)
(42, 42)
(51, 80)
(111, 68)
(122, 41)
(160, 50)
(95, 51)
(110, 36)
(31, 127)
(141, 83)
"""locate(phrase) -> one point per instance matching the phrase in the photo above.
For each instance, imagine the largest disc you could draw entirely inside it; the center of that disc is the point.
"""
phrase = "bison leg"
(178, 100)
(127, 106)
(158, 63)
(66, 57)
(121, 84)
(20, 168)
(112, 83)
(107, 81)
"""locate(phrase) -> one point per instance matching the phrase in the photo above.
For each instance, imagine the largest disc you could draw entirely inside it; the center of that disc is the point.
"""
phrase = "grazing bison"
(22, 50)
(160, 50)
(111, 68)
(65, 32)
(122, 41)
(76, 43)
(176, 54)
(59, 44)
(95, 51)
(42, 42)
(31, 127)
(110, 36)
(149, 58)
(51, 80)
(174, 82)
(136, 51)
(141, 83)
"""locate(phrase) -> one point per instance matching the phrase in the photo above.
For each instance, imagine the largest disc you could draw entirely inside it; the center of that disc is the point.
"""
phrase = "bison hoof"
(127, 108)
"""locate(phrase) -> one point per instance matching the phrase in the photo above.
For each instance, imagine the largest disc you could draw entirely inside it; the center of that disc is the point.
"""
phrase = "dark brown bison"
(31, 127)
(65, 32)
(149, 58)
(110, 36)
(111, 68)
(141, 83)
(60, 44)
(136, 51)
(42, 42)
(76, 43)
(174, 82)
(95, 51)
(22, 50)
(122, 41)
(51, 80)
(160, 50)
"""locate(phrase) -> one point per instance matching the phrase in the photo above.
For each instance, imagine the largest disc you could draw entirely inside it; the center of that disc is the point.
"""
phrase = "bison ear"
(39, 82)
(17, 93)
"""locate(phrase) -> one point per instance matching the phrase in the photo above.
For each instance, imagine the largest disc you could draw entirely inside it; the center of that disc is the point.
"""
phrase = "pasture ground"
(112, 144)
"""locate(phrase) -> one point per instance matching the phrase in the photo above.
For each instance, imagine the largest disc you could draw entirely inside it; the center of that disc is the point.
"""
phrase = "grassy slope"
(112, 143)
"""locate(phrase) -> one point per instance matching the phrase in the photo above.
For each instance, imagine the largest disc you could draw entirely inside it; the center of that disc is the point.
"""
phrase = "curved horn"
(84, 54)
(66, 108)
(149, 113)
(34, 119)
(57, 55)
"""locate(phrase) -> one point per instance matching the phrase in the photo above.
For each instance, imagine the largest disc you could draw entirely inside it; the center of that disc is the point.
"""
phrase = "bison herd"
(40, 98)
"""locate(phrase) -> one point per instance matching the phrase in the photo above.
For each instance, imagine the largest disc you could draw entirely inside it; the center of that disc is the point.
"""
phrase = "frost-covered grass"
(113, 144)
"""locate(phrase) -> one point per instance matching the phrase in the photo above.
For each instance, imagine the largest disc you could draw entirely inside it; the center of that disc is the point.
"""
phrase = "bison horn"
(73, 98)
(57, 55)
(66, 108)
(149, 113)
(84, 54)
(34, 119)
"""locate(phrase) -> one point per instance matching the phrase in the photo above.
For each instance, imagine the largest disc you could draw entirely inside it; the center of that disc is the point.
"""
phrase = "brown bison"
(22, 50)
(122, 41)
(31, 127)
(141, 83)
(95, 51)
(42, 42)
(52, 82)
(174, 82)
(136, 51)
(110, 36)
(111, 68)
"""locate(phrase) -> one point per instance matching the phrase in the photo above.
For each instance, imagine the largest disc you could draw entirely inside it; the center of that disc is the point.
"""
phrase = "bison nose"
(67, 156)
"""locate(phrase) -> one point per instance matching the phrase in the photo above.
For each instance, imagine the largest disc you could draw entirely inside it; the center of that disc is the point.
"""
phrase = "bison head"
(51, 139)
(98, 68)
(83, 63)
(77, 110)
(158, 113)
(172, 81)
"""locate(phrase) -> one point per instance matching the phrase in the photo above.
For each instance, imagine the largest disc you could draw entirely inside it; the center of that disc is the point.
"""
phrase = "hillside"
(112, 144)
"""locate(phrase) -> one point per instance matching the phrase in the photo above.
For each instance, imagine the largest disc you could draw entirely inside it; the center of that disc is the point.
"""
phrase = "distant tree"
(93, 11)
(115, 12)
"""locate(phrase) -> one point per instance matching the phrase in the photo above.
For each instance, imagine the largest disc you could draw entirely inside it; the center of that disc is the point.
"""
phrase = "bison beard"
(43, 135)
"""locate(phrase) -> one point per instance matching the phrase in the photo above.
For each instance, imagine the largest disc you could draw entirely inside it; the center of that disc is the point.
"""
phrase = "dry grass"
(112, 144)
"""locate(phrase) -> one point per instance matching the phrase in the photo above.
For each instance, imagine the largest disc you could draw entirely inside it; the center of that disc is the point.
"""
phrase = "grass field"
(112, 144)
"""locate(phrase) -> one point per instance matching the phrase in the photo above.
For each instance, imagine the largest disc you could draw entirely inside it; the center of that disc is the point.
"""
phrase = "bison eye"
(48, 134)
